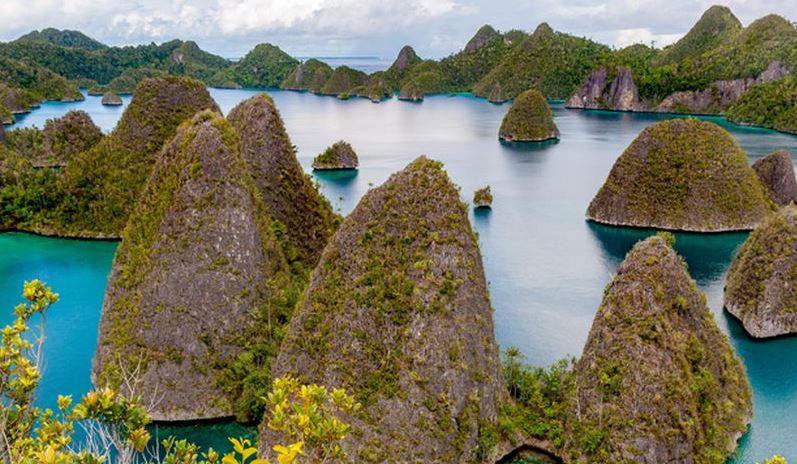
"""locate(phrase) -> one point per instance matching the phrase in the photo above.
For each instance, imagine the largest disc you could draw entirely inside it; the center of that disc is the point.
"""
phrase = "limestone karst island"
(350, 231)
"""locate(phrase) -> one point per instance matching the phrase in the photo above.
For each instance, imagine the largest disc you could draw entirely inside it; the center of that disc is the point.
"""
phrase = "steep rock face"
(398, 314)
(598, 92)
(761, 290)
(484, 36)
(190, 271)
(682, 175)
(14, 100)
(405, 59)
(67, 136)
(310, 75)
(776, 172)
(340, 155)
(657, 382)
(111, 99)
(108, 179)
(719, 95)
(289, 194)
(529, 119)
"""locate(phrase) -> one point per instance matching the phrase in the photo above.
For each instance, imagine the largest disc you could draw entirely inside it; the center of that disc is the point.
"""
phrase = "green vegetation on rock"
(761, 289)
(66, 137)
(529, 119)
(65, 38)
(658, 381)
(772, 105)
(266, 66)
(483, 198)
(310, 75)
(682, 175)
(552, 62)
(340, 155)
(343, 80)
(717, 27)
(398, 314)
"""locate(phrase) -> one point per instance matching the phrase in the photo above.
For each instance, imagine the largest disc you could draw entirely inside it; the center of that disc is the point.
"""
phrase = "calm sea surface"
(546, 265)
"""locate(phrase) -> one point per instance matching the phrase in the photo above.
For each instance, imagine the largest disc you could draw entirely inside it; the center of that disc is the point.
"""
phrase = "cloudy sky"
(363, 27)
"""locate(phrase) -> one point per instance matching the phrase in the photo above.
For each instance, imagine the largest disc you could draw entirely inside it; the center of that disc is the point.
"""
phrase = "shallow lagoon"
(546, 265)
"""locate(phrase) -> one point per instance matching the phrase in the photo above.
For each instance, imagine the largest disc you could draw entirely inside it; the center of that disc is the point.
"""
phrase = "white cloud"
(627, 37)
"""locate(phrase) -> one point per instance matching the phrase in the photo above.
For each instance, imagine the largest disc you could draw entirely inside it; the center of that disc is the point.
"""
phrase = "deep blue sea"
(546, 265)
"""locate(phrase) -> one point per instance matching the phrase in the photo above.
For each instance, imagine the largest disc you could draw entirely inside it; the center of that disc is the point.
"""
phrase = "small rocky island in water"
(529, 119)
(111, 99)
(682, 175)
(339, 156)
(776, 171)
(483, 198)
(761, 290)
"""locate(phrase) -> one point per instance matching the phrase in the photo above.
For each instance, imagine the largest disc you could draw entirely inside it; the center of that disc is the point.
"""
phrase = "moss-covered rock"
(310, 75)
(104, 183)
(340, 155)
(14, 101)
(483, 198)
(529, 119)
(776, 172)
(290, 196)
(398, 314)
(682, 175)
(658, 381)
(343, 80)
(762, 283)
(126, 83)
(111, 99)
(199, 258)
(66, 137)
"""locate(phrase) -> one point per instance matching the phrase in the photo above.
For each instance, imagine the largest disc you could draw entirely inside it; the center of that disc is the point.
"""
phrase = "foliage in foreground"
(305, 416)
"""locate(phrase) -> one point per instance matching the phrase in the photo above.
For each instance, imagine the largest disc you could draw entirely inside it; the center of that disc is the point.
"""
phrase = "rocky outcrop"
(529, 119)
(682, 175)
(761, 290)
(66, 137)
(15, 101)
(483, 198)
(196, 260)
(484, 36)
(398, 314)
(406, 58)
(111, 99)
(718, 96)
(599, 92)
(112, 175)
(340, 155)
(657, 382)
(776, 172)
(289, 194)
(412, 91)
(310, 75)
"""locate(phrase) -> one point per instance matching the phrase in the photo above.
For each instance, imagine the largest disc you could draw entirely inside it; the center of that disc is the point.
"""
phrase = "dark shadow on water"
(707, 255)
(340, 177)
(528, 147)
(205, 434)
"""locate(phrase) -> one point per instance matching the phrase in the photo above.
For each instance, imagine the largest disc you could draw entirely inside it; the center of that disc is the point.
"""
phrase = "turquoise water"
(546, 265)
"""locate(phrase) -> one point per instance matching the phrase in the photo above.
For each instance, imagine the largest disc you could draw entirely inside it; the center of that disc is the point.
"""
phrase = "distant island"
(716, 68)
